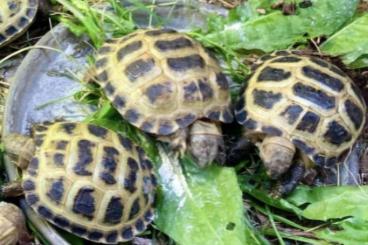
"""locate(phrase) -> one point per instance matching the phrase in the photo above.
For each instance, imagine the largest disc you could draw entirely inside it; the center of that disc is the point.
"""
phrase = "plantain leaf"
(351, 42)
(276, 31)
(332, 202)
(199, 206)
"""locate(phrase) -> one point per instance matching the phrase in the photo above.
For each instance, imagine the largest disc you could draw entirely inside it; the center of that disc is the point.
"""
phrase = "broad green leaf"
(277, 31)
(351, 231)
(332, 202)
(351, 42)
(201, 206)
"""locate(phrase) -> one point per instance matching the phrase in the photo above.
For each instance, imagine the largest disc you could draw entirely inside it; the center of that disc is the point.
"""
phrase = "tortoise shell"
(161, 80)
(90, 181)
(15, 17)
(306, 100)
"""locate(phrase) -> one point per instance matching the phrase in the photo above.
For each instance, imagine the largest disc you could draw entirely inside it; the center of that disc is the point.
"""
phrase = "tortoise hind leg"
(177, 141)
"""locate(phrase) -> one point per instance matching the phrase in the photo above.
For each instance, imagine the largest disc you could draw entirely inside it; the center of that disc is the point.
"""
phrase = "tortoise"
(166, 84)
(15, 17)
(300, 107)
(86, 179)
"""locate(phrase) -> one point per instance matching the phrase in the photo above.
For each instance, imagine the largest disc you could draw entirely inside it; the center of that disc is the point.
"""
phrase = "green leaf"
(277, 31)
(351, 42)
(351, 231)
(201, 206)
(332, 202)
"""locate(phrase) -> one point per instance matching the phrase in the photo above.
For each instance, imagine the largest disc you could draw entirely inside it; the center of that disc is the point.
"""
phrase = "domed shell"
(90, 181)
(161, 80)
(306, 100)
(15, 17)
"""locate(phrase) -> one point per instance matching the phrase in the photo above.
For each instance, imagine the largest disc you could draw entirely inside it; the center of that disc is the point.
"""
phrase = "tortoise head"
(277, 154)
(205, 140)
(21, 146)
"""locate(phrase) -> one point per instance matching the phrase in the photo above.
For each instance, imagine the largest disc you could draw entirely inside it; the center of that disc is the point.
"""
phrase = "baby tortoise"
(167, 84)
(15, 17)
(300, 109)
(86, 179)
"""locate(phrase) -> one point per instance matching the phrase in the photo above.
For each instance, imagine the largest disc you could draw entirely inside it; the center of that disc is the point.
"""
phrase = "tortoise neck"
(19, 145)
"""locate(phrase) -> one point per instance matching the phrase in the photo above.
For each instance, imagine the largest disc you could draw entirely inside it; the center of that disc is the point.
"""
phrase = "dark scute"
(266, 57)
(337, 70)
(205, 89)
(309, 122)
(165, 128)
(85, 158)
(34, 164)
(108, 178)
(127, 233)
(357, 92)
(157, 90)
(241, 116)
(110, 90)
(250, 124)
(227, 116)
(303, 146)
(291, 113)
(132, 115)
(282, 52)
(22, 22)
(319, 160)
(101, 63)
(323, 78)
(128, 49)
(221, 80)
(114, 211)
(185, 120)
(38, 139)
(273, 74)
(125, 142)
(286, 59)
(102, 77)
(146, 126)
(214, 115)
(305, 4)
(97, 130)
(139, 68)
(271, 131)
(95, 235)
(31, 12)
(190, 92)
(61, 144)
(61, 221)
(159, 32)
(355, 113)
(12, 5)
(45, 212)
(129, 182)
(133, 165)
(78, 230)
(119, 102)
(147, 163)
(319, 61)
(317, 97)
(32, 199)
(336, 134)
(153, 180)
(186, 63)
(2, 38)
(148, 216)
(59, 159)
(240, 104)
(56, 191)
(139, 225)
(28, 185)
(104, 50)
(266, 99)
(112, 237)
(108, 160)
(68, 127)
(178, 43)
(84, 202)
(134, 209)
(11, 31)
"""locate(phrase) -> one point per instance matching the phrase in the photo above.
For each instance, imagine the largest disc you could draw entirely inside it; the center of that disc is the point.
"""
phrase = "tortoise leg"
(177, 141)
(290, 180)
(205, 141)
(12, 189)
